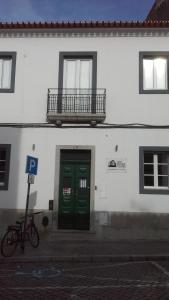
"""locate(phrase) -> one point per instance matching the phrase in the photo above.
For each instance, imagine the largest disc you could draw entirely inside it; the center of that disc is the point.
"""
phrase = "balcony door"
(77, 85)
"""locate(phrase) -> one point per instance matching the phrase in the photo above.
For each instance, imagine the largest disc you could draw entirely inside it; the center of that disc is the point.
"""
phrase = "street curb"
(85, 258)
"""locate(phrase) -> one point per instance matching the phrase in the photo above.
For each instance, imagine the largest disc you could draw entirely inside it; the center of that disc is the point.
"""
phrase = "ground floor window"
(154, 170)
(4, 165)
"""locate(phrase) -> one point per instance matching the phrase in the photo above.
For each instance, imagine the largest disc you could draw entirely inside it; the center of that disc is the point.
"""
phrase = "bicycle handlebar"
(36, 213)
(30, 215)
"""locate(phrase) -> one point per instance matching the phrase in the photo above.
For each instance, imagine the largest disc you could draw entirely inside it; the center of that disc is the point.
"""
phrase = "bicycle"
(15, 235)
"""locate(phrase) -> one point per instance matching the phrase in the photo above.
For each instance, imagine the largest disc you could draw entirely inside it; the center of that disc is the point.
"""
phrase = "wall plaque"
(116, 164)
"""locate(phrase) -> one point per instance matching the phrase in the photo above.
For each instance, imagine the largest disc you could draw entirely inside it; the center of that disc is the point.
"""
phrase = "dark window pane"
(148, 180)
(2, 179)
(67, 182)
(2, 154)
(163, 181)
(163, 169)
(148, 157)
(2, 165)
(162, 157)
(148, 169)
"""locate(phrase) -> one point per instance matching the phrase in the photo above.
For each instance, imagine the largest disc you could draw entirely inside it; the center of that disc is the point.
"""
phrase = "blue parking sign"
(31, 165)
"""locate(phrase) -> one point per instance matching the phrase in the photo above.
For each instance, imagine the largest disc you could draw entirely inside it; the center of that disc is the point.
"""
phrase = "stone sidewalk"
(86, 248)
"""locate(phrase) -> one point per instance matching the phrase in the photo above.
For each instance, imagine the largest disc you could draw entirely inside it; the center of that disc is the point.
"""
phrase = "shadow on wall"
(33, 200)
(9, 198)
(139, 206)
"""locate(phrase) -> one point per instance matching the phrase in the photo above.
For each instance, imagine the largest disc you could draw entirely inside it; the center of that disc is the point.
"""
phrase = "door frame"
(57, 180)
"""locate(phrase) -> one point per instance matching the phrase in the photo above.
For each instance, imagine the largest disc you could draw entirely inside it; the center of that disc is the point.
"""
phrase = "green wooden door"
(74, 195)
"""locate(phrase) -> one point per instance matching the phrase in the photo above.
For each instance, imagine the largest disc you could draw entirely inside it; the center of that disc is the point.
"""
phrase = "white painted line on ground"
(6, 276)
(112, 279)
(109, 265)
(162, 269)
(73, 296)
(85, 287)
(7, 270)
(86, 277)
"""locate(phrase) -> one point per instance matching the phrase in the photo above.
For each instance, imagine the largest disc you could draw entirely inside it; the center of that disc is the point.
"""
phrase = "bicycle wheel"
(9, 243)
(34, 236)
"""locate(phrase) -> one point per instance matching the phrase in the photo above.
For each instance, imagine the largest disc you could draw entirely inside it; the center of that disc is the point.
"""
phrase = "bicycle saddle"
(19, 222)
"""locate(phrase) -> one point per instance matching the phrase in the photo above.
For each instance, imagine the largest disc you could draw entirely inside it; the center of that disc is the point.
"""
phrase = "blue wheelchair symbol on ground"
(32, 165)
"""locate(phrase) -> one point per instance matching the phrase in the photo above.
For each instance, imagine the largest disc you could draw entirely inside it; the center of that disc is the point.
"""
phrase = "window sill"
(153, 91)
(155, 191)
(6, 90)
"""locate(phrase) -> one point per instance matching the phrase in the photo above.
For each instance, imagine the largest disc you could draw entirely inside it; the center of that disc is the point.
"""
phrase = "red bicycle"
(15, 235)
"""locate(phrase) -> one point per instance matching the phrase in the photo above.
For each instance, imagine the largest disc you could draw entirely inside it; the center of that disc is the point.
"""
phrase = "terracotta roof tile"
(85, 24)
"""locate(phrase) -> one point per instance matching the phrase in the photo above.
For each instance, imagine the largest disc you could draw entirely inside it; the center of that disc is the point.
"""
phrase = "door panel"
(82, 203)
(74, 198)
(66, 196)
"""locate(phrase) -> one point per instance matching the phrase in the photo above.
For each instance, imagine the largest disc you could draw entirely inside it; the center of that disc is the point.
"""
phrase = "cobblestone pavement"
(60, 248)
(142, 280)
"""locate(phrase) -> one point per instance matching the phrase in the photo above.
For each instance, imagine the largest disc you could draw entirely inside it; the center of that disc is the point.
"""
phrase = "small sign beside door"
(116, 164)
(66, 191)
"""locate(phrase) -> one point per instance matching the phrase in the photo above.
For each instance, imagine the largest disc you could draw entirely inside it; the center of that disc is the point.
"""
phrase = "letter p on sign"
(32, 165)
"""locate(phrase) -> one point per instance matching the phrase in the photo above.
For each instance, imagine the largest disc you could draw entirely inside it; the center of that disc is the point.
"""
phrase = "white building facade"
(91, 102)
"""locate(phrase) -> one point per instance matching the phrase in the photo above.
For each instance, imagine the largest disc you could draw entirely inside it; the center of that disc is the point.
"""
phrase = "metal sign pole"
(31, 170)
(26, 214)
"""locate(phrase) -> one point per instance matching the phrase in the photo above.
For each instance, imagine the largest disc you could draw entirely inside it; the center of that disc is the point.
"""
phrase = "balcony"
(76, 105)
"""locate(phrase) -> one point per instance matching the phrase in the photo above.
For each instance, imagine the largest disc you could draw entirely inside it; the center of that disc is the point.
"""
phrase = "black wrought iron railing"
(80, 101)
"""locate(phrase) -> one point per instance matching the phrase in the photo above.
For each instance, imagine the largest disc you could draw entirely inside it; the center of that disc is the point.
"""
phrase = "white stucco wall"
(37, 67)
(116, 191)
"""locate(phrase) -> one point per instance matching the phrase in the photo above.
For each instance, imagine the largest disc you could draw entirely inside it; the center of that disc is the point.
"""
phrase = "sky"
(73, 10)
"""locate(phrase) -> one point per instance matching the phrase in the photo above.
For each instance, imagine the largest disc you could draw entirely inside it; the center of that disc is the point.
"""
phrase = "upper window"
(154, 75)
(77, 70)
(7, 71)
(154, 170)
(4, 166)
(77, 82)
(77, 75)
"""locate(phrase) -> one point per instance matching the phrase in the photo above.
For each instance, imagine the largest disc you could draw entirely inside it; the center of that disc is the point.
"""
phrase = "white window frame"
(155, 175)
(155, 189)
